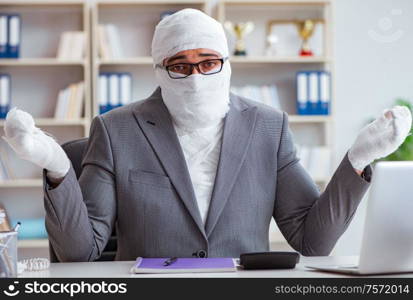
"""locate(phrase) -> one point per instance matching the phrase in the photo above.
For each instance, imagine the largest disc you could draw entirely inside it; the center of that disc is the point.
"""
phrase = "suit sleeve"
(80, 214)
(311, 221)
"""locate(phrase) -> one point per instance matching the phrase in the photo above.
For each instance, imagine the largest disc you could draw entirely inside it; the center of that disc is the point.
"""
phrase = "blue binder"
(113, 89)
(313, 92)
(125, 88)
(103, 93)
(3, 35)
(325, 92)
(111, 92)
(302, 92)
(5, 95)
(14, 36)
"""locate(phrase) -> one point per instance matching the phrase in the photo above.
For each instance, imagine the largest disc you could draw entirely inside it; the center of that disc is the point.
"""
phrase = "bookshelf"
(39, 71)
(43, 75)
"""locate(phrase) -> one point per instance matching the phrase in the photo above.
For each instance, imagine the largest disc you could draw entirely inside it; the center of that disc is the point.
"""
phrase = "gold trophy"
(239, 30)
(305, 30)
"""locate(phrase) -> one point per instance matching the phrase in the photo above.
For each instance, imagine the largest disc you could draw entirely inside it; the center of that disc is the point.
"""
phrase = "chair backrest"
(75, 150)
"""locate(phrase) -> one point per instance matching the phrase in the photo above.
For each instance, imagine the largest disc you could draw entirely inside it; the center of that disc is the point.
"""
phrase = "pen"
(170, 261)
(17, 226)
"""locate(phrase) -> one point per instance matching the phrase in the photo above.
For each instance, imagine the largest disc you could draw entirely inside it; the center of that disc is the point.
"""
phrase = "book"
(113, 39)
(72, 100)
(109, 44)
(78, 101)
(64, 45)
(71, 45)
(103, 46)
(184, 265)
(78, 45)
(69, 104)
(61, 104)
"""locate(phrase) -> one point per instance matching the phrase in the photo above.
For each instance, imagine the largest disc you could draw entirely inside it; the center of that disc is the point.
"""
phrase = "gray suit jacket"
(135, 177)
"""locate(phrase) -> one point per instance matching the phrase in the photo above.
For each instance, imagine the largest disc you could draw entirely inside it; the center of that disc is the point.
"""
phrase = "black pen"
(170, 261)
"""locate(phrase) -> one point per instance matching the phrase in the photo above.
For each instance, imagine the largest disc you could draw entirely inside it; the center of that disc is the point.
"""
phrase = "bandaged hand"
(381, 137)
(32, 144)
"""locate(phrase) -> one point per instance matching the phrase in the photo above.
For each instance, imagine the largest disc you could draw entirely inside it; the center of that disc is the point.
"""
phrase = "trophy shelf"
(277, 2)
(279, 59)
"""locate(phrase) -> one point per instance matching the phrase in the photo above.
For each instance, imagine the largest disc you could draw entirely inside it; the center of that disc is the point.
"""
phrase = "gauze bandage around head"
(187, 29)
(197, 101)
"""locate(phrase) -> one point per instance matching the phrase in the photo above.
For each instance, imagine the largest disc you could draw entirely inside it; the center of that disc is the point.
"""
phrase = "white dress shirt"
(201, 148)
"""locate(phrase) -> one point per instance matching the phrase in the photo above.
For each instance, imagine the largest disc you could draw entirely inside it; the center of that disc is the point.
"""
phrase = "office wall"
(374, 65)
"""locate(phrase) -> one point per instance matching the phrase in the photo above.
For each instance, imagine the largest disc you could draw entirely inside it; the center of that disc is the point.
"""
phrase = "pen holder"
(8, 254)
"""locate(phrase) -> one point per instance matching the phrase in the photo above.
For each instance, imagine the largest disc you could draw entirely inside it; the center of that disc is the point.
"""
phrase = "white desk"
(121, 269)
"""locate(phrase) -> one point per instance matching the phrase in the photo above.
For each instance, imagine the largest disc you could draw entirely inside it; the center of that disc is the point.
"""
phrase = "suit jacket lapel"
(238, 129)
(156, 123)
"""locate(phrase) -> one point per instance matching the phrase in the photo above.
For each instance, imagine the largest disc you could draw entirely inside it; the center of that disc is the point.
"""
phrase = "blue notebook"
(184, 265)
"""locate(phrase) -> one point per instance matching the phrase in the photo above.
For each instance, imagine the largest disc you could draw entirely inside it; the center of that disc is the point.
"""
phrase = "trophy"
(239, 30)
(289, 31)
(305, 30)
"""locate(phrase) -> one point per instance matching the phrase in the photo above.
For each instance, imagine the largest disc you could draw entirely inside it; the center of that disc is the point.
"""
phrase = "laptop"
(387, 242)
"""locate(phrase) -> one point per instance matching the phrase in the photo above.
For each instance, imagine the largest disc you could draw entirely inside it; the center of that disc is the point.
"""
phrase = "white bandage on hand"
(381, 137)
(32, 144)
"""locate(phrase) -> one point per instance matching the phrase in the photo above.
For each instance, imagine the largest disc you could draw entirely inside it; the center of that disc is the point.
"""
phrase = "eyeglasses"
(183, 70)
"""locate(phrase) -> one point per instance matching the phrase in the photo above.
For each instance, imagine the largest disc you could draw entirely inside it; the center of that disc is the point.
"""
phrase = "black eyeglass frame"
(222, 59)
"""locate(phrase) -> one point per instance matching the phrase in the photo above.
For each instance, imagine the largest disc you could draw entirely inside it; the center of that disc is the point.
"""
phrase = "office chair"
(75, 150)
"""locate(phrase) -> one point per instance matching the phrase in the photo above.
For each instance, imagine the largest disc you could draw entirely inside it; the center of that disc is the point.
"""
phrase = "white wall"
(374, 65)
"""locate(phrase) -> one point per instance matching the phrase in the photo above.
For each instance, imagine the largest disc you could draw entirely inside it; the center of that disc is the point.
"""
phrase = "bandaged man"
(195, 170)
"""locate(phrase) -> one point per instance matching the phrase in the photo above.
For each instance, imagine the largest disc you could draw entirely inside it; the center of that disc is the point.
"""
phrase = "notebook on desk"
(184, 265)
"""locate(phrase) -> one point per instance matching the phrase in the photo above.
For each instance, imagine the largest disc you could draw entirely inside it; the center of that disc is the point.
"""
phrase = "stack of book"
(10, 32)
(266, 94)
(115, 90)
(313, 92)
(5, 95)
(71, 45)
(70, 102)
(316, 160)
(109, 42)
